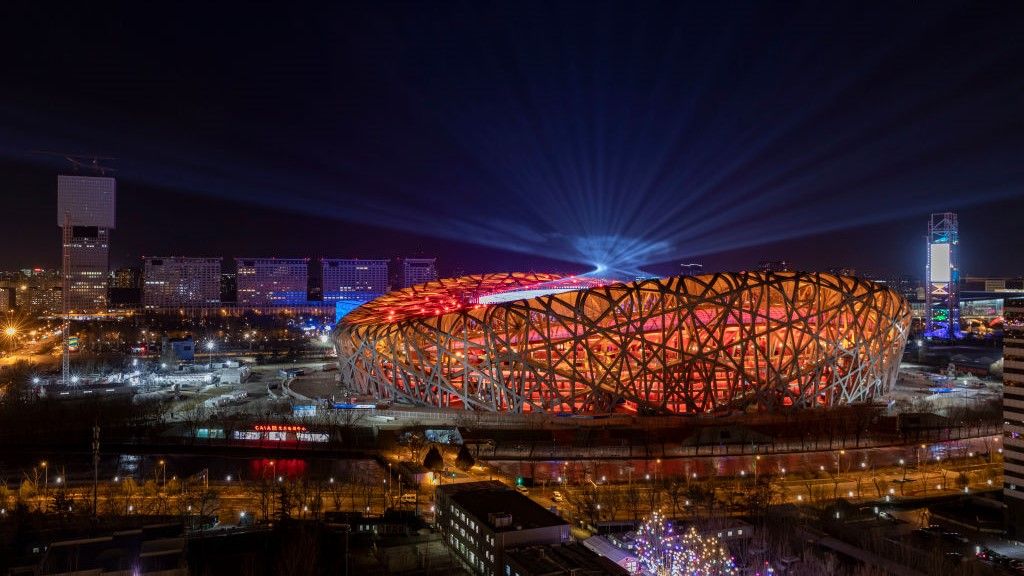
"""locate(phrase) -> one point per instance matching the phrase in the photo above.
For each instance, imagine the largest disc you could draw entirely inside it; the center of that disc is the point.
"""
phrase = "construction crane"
(78, 162)
(82, 162)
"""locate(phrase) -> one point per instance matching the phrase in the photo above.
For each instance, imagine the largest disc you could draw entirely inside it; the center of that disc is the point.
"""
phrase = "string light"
(661, 551)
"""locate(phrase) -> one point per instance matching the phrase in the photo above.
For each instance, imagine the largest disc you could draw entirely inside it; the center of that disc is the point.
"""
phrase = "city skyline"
(134, 238)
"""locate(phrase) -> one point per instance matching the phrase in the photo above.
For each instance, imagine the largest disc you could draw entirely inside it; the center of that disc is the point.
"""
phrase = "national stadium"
(717, 343)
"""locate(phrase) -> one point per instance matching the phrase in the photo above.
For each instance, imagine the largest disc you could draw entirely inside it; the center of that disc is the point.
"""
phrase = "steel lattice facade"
(697, 344)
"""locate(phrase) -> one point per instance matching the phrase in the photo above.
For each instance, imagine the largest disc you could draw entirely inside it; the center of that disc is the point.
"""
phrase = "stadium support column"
(942, 273)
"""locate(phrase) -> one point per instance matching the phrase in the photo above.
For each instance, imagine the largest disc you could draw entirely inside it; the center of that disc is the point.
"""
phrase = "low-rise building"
(480, 520)
(176, 350)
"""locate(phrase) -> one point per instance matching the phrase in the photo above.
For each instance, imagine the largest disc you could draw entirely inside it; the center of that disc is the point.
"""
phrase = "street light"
(209, 349)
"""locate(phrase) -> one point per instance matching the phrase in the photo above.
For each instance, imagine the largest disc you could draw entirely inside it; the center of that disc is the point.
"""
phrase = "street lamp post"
(209, 352)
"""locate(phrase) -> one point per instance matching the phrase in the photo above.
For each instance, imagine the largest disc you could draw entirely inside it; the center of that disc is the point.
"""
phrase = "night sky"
(549, 135)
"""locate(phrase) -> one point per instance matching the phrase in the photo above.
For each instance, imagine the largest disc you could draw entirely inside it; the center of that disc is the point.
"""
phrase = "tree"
(662, 551)
(464, 460)
(433, 461)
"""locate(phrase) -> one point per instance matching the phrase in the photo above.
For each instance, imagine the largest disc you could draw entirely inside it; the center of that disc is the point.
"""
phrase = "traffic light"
(519, 480)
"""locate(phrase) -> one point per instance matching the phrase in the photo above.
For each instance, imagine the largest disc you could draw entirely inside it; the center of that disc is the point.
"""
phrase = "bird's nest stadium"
(715, 343)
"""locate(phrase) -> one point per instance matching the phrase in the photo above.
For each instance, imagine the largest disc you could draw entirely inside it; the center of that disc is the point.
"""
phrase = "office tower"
(228, 287)
(86, 215)
(125, 288)
(126, 278)
(690, 269)
(178, 281)
(39, 291)
(418, 271)
(345, 279)
(272, 281)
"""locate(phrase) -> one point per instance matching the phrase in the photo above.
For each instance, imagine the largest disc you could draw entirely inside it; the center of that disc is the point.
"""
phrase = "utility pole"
(95, 467)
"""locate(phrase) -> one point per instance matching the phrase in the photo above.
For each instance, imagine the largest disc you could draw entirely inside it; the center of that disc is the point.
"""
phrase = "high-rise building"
(775, 266)
(178, 281)
(127, 278)
(418, 271)
(942, 308)
(272, 281)
(86, 215)
(125, 288)
(345, 279)
(228, 287)
(38, 291)
(690, 269)
(6, 298)
(1013, 412)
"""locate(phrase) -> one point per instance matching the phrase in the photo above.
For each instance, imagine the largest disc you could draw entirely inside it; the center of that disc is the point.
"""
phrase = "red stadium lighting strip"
(697, 344)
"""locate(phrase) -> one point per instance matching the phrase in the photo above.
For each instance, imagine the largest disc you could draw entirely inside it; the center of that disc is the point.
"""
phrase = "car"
(557, 496)
(522, 489)
(408, 498)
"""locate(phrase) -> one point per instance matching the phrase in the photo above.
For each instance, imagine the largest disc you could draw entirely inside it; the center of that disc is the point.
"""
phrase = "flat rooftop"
(566, 559)
(481, 499)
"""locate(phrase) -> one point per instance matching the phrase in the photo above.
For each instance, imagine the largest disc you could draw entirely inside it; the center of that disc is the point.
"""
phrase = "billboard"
(939, 263)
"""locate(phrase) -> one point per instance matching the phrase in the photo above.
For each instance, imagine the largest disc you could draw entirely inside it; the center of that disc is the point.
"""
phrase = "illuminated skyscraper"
(942, 309)
(179, 281)
(418, 271)
(86, 214)
(272, 281)
(1013, 413)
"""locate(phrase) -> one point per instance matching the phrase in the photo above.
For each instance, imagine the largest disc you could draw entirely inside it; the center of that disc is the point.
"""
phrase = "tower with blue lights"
(942, 307)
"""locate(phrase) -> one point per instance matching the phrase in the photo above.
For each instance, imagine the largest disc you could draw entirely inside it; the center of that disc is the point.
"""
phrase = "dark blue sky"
(525, 135)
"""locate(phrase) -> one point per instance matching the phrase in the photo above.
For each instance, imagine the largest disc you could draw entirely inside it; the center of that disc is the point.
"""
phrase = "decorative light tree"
(662, 552)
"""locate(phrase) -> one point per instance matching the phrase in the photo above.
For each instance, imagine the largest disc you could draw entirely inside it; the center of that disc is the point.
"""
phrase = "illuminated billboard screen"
(938, 262)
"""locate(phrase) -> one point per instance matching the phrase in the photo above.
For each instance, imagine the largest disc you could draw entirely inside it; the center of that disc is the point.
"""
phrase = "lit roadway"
(34, 352)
